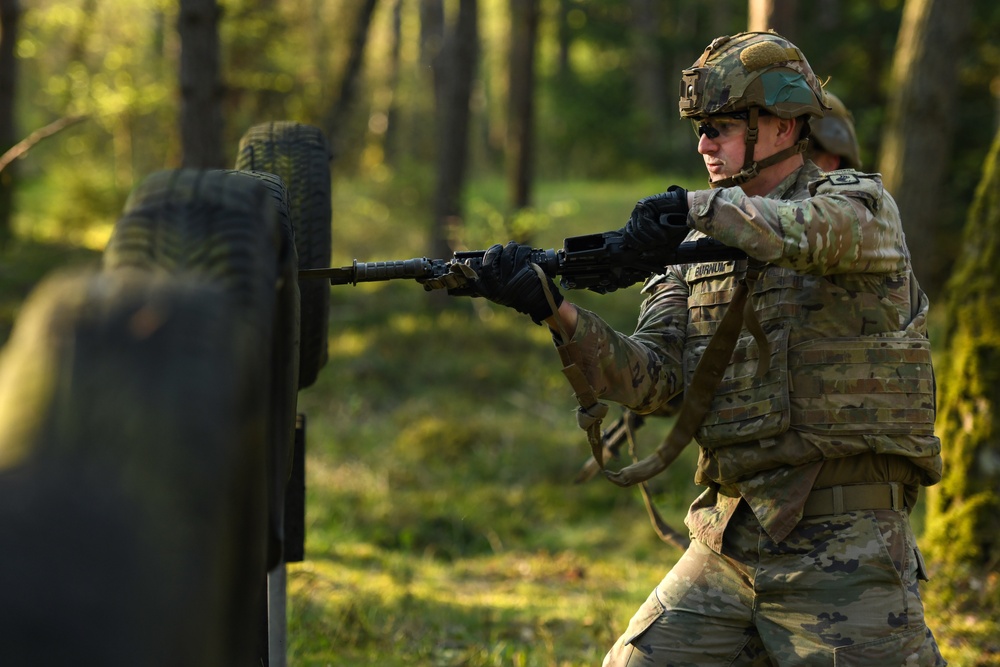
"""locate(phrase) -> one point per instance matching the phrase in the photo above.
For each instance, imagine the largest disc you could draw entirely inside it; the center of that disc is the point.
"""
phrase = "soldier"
(807, 384)
(833, 143)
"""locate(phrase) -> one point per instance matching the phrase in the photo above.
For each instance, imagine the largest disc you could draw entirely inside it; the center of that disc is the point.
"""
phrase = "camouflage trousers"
(839, 590)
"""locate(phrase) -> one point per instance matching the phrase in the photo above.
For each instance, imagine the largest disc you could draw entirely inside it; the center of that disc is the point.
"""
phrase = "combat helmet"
(752, 73)
(834, 133)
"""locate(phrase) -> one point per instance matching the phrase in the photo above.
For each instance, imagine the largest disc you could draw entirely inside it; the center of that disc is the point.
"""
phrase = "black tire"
(229, 227)
(131, 475)
(208, 224)
(300, 155)
(284, 363)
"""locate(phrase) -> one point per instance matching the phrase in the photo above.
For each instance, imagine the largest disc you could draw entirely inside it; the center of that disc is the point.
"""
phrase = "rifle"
(601, 263)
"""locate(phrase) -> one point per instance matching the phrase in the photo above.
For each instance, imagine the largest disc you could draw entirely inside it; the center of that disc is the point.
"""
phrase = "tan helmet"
(752, 72)
(834, 133)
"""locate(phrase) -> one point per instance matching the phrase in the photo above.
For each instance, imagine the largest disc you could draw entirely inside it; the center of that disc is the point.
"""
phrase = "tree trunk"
(390, 141)
(454, 70)
(655, 87)
(202, 90)
(431, 34)
(521, 110)
(564, 39)
(963, 511)
(827, 15)
(777, 15)
(336, 117)
(10, 18)
(422, 113)
(917, 137)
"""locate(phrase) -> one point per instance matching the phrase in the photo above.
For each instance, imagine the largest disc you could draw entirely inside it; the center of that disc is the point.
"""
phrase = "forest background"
(442, 524)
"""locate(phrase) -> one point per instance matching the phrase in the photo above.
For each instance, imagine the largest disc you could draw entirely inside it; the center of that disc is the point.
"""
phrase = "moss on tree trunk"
(962, 537)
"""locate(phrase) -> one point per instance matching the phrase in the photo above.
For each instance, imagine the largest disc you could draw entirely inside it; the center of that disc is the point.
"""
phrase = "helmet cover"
(751, 69)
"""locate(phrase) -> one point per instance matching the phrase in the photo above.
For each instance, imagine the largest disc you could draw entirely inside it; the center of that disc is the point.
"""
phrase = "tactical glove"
(508, 278)
(660, 220)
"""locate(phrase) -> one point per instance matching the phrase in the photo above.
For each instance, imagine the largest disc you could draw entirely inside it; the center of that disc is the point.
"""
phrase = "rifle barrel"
(366, 272)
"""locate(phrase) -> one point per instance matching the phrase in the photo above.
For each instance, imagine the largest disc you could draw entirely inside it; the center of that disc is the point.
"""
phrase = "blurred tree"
(202, 90)
(918, 133)
(10, 20)
(392, 114)
(279, 60)
(340, 106)
(605, 90)
(656, 108)
(520, 143)
(454, 68)
(431, 41)
(431, 36)
(963, 511)
(589, 110)
(851, 42)
(564, 35)
(115, 63)
(778, 15)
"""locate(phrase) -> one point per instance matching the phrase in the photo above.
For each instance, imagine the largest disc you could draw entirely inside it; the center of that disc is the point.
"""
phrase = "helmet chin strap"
(752, 168)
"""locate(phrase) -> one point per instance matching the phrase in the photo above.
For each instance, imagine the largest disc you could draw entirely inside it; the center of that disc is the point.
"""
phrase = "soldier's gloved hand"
(508, 278)
(660, 220)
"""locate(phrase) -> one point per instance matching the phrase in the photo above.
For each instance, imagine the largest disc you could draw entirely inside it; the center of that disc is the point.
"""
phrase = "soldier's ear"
(787, 129)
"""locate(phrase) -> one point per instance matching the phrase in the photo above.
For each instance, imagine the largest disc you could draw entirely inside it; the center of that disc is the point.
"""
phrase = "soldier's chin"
(716, 172)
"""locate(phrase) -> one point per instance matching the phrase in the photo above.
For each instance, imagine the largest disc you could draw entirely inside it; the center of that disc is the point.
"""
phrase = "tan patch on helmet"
(763, 54)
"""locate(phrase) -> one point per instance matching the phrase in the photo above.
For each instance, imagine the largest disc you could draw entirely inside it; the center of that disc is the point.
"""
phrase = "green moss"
(962, 535)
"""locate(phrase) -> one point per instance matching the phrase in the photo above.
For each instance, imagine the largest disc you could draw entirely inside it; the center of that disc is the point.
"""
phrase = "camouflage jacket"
(837, 285)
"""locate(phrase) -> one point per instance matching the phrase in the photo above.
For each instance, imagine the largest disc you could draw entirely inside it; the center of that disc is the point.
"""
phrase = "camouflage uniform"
(846, 324)
(790, 563)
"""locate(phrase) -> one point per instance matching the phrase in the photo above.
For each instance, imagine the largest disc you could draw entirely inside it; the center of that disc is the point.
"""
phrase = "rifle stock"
(600, 263)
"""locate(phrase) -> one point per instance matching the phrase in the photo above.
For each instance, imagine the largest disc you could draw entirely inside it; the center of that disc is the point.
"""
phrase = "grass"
(443, 525)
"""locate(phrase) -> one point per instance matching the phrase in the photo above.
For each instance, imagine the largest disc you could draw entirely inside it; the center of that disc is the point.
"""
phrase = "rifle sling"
(697, 398)
(591, 411)
(707, 375)
(662, 529)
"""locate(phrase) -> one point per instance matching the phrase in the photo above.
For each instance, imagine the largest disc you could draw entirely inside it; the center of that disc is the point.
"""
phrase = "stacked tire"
(300, 156)
(148, 416)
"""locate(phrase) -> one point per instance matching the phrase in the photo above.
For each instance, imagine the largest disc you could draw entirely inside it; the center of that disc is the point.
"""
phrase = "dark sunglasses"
(725, 126)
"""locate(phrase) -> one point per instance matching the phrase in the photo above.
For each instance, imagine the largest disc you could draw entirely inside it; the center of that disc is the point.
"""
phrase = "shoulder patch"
(850, 183)
(844, 178)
